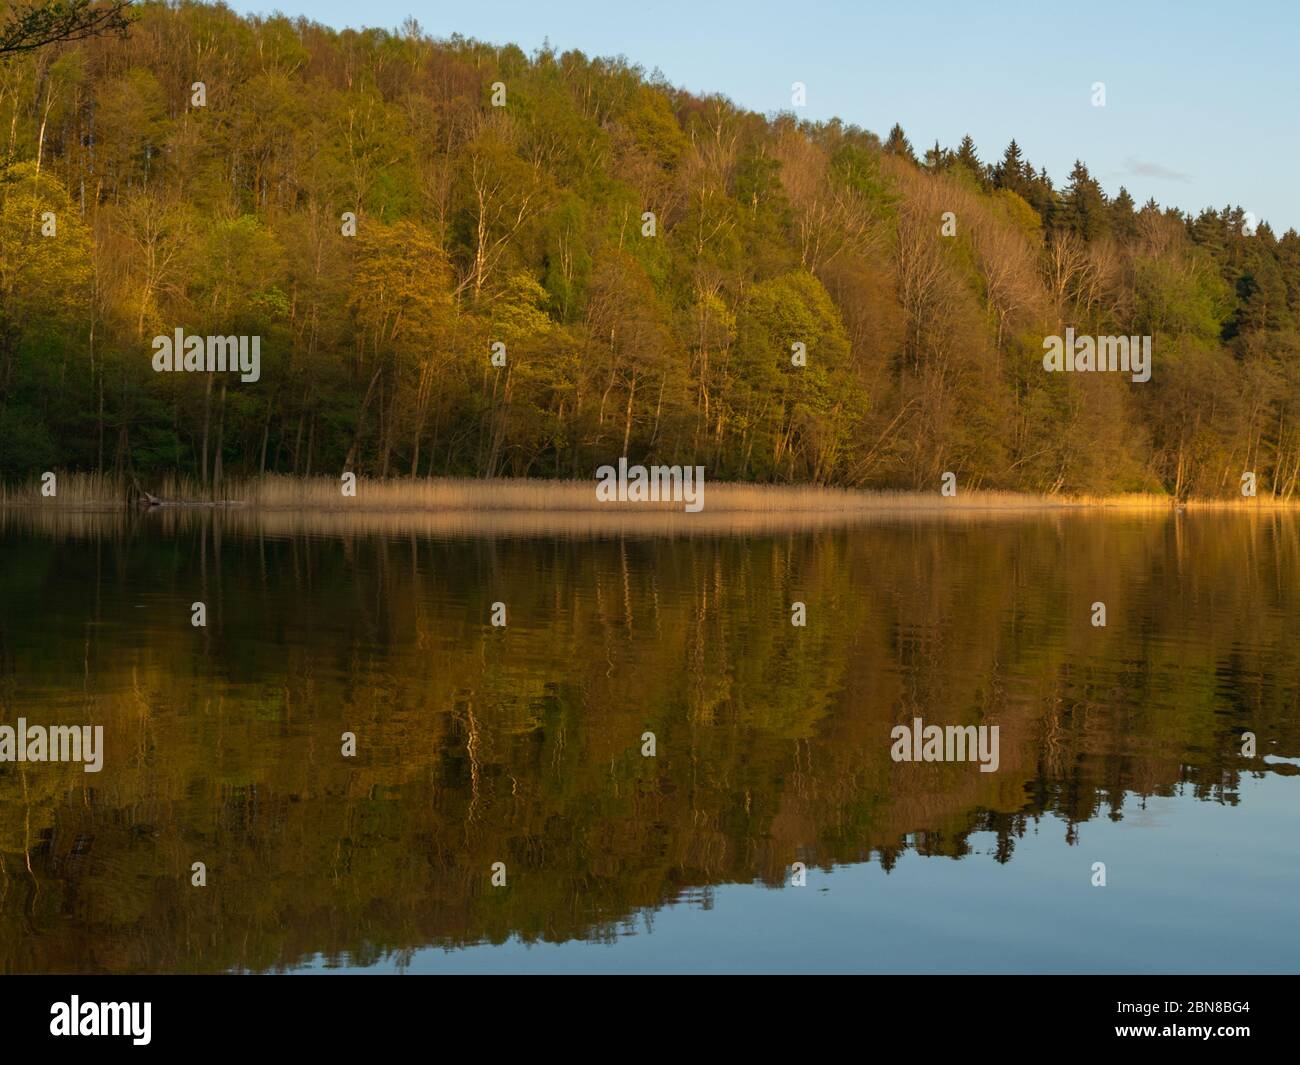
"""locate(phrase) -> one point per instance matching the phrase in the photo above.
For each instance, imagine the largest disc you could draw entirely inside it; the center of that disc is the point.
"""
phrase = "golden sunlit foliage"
(648, 258)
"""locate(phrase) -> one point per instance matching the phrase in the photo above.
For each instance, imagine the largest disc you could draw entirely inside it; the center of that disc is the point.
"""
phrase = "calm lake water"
(523, 745)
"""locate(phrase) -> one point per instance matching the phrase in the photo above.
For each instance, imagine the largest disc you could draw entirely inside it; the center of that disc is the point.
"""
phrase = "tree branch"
(35, 25)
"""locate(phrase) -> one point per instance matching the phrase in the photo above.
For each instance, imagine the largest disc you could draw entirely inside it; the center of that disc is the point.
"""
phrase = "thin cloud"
(1140, 168)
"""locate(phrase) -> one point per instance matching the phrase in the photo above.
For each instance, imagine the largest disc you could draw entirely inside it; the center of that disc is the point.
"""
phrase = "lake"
(648, 767)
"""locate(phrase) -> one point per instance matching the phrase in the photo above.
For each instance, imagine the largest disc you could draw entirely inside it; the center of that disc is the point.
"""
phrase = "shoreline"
(92, 493)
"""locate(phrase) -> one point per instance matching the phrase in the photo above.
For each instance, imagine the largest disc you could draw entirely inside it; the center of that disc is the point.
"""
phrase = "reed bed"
(89, 491)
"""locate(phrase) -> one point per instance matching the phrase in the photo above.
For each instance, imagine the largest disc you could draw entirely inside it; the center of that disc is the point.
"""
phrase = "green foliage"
(530, 224)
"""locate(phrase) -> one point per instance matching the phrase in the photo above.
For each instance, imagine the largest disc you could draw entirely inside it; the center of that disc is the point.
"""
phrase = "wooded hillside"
(526, 225)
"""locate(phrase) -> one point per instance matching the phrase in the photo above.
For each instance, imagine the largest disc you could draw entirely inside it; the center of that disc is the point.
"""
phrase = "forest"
(464, 260)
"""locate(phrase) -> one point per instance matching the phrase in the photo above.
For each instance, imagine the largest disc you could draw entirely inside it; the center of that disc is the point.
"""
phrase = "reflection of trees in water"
(523, 745)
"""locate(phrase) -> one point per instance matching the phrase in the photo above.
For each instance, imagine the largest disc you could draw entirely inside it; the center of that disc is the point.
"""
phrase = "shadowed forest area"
(525, 225)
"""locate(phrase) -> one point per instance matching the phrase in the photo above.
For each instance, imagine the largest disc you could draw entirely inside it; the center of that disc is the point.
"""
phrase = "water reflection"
(522, 744)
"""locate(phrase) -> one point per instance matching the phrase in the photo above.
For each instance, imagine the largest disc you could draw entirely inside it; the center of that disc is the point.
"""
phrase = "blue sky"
(1202, 98)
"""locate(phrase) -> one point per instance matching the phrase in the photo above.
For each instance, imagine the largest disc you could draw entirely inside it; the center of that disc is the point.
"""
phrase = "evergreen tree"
(1123, 217)
(898, 144)
(1083, 205)
(967, 156)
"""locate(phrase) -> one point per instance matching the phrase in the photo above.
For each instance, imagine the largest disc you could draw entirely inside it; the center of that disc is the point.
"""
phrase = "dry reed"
(276, 492)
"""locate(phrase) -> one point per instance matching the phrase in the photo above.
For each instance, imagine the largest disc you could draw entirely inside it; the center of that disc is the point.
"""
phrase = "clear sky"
(1202, 96)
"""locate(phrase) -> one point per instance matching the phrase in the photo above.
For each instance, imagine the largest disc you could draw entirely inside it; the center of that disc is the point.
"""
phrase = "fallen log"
(148, 501)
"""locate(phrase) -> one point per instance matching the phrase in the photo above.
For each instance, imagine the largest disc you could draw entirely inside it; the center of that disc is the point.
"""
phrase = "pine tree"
(968, 157)
(1011, 172)
(1083, 206)
(898, 144)
(1123, 218)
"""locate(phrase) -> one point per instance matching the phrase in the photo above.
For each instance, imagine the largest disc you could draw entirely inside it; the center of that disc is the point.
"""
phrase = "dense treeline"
(524, 225)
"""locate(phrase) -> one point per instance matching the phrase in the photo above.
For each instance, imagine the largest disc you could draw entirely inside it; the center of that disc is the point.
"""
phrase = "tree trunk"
(207, 418)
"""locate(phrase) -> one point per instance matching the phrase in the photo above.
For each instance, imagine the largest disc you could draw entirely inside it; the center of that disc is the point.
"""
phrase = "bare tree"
(1005, 259)
(830, 218)
(1067, 270)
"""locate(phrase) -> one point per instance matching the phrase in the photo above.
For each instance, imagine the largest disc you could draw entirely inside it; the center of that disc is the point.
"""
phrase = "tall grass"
(277, 492)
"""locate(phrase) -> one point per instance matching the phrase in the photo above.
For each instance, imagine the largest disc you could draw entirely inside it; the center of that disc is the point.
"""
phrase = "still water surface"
(522, 745)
